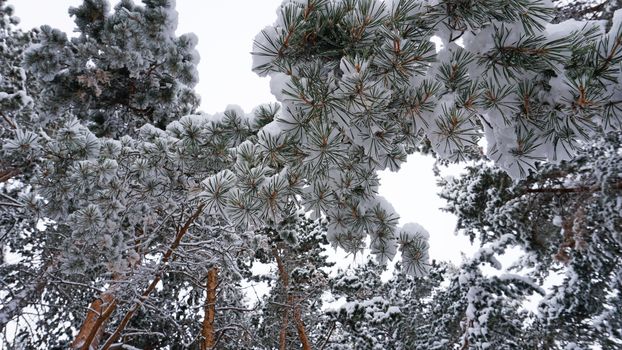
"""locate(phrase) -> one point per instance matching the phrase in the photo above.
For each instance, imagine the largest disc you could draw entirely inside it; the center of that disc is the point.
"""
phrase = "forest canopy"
(136, 221)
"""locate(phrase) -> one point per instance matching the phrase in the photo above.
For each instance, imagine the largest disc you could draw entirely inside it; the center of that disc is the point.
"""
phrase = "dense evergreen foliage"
(129, 219)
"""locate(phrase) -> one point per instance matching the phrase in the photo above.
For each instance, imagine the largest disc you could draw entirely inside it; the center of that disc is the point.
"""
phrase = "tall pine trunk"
(297, 315)
(92, 330)
(300, 327)
(209, 340)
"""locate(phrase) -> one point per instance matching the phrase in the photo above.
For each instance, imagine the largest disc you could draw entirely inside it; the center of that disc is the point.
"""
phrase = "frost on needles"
(362, 85)
(149, 206)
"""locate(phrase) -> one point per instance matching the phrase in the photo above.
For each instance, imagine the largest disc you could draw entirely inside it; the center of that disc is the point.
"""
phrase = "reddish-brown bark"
(92, 329)
(297, 314)
(209, 340)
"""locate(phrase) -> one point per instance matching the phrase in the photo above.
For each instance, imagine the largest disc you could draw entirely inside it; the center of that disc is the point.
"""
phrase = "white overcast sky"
(226, 30)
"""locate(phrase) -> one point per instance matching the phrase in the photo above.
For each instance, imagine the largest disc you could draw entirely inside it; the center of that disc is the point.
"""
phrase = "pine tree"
(367, 320)
(18, 227)
(116, 203)
(292, 309)
(396, 314)
(566, 220)
(126, 69)
(147, 201)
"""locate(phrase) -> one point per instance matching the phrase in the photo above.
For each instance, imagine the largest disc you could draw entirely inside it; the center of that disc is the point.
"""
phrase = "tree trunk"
(93, 327)
(101, 309)
(300, 327)
(285, 282)
(284, 324)
(207, 331)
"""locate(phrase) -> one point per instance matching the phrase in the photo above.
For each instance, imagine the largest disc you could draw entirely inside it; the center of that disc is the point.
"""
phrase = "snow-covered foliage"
(532, 89)
(119, 200)
(361, 85)
(127, 68)
(567, 222)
